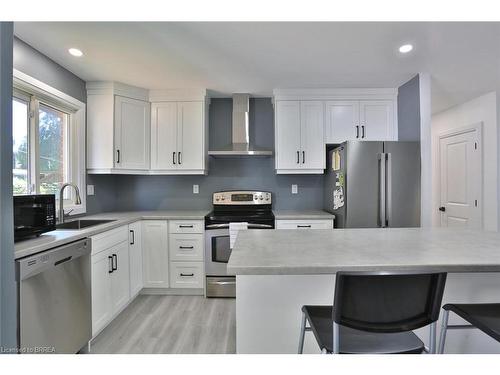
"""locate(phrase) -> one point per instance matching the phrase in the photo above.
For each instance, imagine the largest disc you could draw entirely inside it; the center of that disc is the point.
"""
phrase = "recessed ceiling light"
(75, 52)
(405, 48)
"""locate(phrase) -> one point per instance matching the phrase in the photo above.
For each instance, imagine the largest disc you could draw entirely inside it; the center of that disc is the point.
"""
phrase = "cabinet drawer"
(186, 274)
(186, 247)
(110, 238)
(304, 224)
(185, 226)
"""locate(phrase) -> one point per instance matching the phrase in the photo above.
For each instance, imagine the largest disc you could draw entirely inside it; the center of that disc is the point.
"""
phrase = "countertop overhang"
(297, 252)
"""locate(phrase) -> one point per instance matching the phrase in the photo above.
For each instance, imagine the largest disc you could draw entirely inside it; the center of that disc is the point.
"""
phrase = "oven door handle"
(250, 226)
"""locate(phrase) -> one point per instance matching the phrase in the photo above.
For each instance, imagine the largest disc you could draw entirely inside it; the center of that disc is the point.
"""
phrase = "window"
(48, 141)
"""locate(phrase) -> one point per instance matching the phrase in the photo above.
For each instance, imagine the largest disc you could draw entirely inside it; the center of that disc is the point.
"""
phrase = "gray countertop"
(302, 214)
(60, 237)
(296, 252)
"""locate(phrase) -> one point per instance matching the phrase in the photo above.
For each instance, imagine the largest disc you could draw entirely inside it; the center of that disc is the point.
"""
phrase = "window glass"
(20, 160)
(53, 149)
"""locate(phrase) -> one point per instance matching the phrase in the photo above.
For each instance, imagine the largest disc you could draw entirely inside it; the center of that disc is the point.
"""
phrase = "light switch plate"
(295, 189)
(90, 190)
(196, 189)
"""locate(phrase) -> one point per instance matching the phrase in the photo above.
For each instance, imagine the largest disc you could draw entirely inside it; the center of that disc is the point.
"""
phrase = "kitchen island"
(279, 271)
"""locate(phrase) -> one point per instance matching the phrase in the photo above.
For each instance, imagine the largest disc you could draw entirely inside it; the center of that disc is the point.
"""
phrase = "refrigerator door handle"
(388, 188)
(382, 177)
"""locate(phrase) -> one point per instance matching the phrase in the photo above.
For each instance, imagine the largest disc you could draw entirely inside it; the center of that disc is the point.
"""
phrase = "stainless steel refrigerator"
(374, 184)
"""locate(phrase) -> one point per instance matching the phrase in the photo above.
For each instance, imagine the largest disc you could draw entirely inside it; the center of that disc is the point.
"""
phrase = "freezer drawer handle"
(187, 274)
(63, 260)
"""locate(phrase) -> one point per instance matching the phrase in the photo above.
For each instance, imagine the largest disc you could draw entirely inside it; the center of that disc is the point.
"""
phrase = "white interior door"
(460, 169)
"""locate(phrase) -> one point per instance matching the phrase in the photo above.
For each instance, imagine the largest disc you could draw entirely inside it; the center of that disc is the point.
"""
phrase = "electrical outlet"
(196, 189)
(295, 189)
(90, 190)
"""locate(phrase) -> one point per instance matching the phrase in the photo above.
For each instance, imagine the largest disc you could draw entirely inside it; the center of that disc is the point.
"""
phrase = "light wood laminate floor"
(171, 324)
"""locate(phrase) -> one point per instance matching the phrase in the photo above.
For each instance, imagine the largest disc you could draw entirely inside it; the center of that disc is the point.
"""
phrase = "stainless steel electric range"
(252, 207)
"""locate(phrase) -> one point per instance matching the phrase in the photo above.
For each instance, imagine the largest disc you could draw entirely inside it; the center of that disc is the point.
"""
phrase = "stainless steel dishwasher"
(55, 314)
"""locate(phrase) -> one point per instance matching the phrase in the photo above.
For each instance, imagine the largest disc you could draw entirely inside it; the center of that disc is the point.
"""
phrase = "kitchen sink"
(81, 224)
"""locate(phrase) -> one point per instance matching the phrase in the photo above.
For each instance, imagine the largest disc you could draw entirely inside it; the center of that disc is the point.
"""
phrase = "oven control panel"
(241, 197)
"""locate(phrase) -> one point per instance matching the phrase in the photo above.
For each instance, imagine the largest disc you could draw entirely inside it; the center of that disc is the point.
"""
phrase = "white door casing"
(460, 166)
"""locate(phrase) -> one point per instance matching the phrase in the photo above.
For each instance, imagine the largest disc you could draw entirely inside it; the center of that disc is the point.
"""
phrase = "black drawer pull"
(187, 274)
(186, 247)
(303, 226)
(186, 226)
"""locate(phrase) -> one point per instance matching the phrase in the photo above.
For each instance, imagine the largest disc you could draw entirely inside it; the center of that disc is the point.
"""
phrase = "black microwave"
(34, 215)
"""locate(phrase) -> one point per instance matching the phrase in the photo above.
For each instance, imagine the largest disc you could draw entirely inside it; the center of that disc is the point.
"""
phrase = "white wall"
(482, 109)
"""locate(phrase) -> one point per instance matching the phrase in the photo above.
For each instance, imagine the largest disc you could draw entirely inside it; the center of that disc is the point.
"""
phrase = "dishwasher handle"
(33, 265)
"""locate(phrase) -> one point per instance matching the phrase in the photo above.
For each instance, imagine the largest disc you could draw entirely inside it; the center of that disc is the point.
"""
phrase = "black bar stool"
(376, 313)
(483, 316)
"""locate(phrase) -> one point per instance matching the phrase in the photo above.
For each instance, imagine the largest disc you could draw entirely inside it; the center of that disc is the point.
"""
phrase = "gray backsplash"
(124, 192)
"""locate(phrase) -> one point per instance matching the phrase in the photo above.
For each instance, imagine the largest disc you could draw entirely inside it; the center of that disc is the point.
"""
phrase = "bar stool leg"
(444, 327)
(432, 338)
(302, 333)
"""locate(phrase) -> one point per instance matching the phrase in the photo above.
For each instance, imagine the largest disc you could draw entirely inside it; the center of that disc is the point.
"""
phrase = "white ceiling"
(463, 58)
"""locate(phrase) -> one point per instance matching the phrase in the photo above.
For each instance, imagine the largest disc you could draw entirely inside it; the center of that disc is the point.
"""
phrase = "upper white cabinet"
(178, 137)
(306, 119)
(135, 131)
(300, 146)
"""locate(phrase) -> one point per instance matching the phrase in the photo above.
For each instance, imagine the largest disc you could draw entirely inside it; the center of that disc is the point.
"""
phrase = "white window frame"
(76, 110)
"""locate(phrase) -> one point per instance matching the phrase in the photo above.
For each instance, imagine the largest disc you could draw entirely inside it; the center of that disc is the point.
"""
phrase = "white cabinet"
(155, 253)
(299, 133)
(186, 275)
(178, 137)
(135, 257)
(110, 276)
(305, 224)
(366, 120)
(376, 119)
(132, 133)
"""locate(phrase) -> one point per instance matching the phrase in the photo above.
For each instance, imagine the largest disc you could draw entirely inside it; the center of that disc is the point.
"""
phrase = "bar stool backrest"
(387, 302)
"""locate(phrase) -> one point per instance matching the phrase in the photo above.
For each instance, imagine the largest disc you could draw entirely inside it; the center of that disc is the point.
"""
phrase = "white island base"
(268, 311)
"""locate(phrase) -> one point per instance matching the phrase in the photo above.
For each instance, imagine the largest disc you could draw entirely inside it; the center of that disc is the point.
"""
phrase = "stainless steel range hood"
(241, 145)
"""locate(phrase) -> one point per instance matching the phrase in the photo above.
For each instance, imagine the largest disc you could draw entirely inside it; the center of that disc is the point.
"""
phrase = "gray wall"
(29, 61)
(7, 276)
(175, 192)
(409, 110)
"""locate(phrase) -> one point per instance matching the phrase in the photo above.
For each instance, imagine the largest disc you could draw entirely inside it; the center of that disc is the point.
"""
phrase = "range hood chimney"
(240, 145)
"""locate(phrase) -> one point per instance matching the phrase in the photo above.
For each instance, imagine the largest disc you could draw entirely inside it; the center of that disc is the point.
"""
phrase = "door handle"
(362, 131)
(115, 262)
(110, 264)
(179, 160)
(382, 177)
(173, 157)
(298, 157)
(442, 208)
(357, 131)
(303, 157)
(133, 237)
(117, 156)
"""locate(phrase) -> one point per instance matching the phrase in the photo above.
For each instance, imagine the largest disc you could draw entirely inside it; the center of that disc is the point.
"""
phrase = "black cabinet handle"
(303, 157)
(173, 157)
(298, 157)
(303, 226)
(186, 247)
(110, 264)
(442, 209)
(357, 131)
(362, 131)
(115, 265)
(117, 156)
(179, 159)
(185, 226)
(133, 237)
(187, 274)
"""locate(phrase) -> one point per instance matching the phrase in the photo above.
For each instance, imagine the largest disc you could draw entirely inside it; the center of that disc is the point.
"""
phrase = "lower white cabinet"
(110, 278)
(305, 224)
(135, 252)
(186, 274)
(155, 253)
(186, 247)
